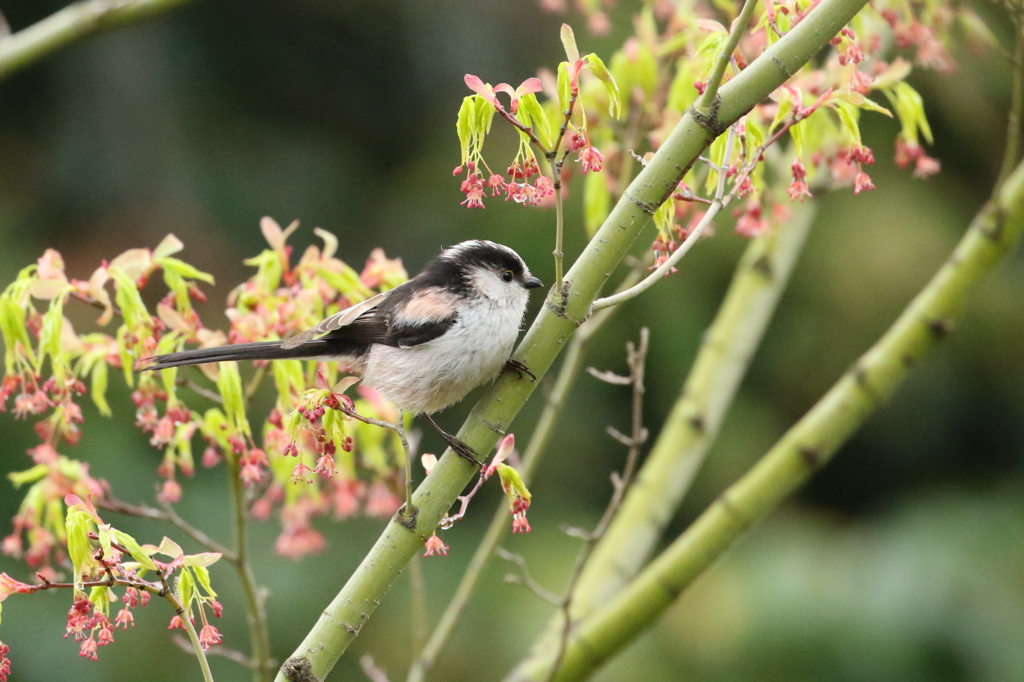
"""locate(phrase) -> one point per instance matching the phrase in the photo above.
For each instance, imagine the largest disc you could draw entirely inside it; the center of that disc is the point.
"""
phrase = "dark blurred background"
(903, 560)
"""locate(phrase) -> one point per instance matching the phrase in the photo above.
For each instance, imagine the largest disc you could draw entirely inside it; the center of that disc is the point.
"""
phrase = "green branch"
(691, 427)
(71, 24)
(555, 405)
(563, 312)
(809, 445)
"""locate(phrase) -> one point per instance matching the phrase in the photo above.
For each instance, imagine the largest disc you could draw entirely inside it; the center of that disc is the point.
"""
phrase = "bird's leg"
(399, 427)
(460, 448)
(519, 368)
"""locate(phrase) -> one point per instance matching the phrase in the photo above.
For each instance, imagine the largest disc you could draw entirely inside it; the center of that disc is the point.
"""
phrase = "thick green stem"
(806, 447)
(74, 22)
(572, 365)
(691, 427)
(564, 311)
(418, 621)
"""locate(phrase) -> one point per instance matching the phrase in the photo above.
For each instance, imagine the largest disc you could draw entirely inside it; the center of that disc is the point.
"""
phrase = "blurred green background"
(903, 560)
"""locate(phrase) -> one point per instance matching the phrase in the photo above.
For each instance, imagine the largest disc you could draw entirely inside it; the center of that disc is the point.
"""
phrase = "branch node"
(940, 328)
(993, 229)
(299, 669)
(709, 121)
(497, 427)
(763, 266)
(561, 307)
(609, 377)
(741, 519)
(782, 66)
(812, 456)
(628, 441)
(861, 377)
(646, 206)
(406, 518)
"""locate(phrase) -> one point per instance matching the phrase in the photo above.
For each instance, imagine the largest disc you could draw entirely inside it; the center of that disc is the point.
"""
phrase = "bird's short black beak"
(532, 282)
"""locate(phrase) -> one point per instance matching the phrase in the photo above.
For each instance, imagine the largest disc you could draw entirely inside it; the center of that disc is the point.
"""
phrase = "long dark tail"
(261, 350)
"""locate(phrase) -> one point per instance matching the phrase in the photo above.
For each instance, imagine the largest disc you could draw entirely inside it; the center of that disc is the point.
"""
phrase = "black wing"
(403, 317)
(413, 315)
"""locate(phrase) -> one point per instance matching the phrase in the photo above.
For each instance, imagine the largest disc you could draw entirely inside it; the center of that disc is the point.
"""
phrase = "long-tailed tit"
(426, 343)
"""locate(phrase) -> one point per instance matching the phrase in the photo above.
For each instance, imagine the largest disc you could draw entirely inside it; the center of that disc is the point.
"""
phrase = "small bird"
(424, 344)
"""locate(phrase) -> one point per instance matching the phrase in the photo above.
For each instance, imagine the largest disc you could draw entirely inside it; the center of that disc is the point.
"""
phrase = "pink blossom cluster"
(518, 187)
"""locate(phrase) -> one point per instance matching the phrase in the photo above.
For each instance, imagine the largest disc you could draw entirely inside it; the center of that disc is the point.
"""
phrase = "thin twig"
(450, 520)
(527, 130)
(558, 253)
(255, 597)
(369, 420)
(168, 515)
(609, 377)
(370, 668)
(706, 102)
(109, 581)
(566, 118)
(524, 578)
(182, 611)
(637, 360)
(89, 300)
(200, 390)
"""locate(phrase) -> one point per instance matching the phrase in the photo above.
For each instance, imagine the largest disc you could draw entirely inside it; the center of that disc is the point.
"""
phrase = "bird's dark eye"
(508, 275)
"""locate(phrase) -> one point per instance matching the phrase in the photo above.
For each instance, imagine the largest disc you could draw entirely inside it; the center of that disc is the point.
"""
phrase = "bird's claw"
(519, 368)
(464, 451)
(457, 446)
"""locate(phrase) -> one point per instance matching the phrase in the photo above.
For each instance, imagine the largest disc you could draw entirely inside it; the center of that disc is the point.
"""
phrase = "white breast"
(433, 375)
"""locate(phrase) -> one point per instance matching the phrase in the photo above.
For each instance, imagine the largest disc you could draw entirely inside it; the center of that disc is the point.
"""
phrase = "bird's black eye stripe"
(508, 275)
